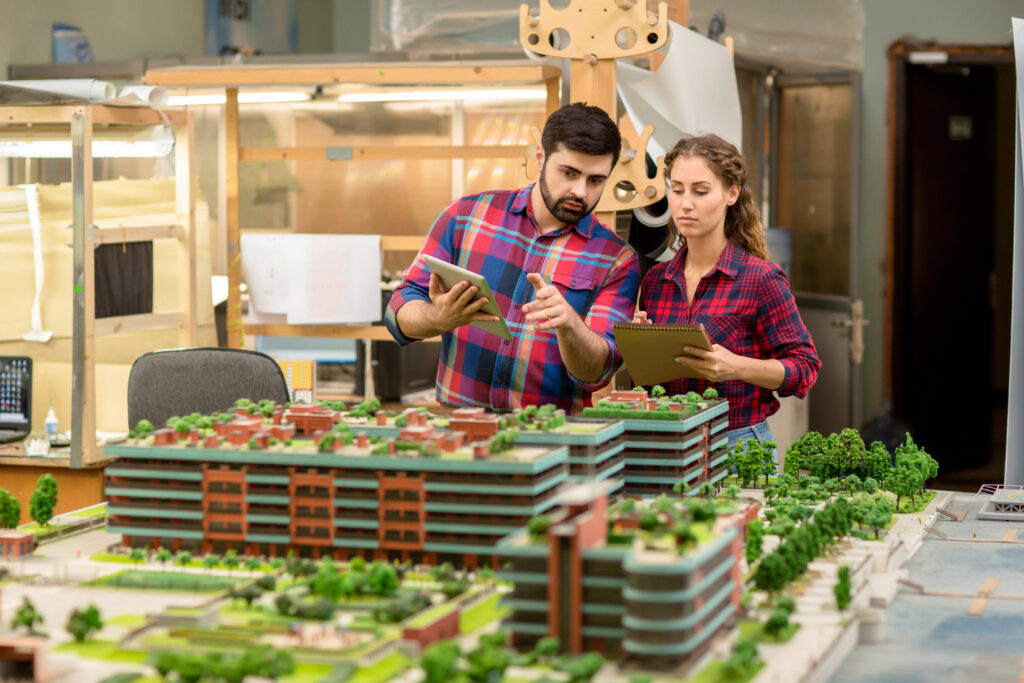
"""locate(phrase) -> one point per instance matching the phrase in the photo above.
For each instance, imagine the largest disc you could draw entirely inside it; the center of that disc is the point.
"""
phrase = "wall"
(885, 22)
(116, 29)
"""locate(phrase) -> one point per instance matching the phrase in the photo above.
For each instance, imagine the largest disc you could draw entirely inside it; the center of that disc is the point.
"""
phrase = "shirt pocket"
(578, 290)
(724, 330)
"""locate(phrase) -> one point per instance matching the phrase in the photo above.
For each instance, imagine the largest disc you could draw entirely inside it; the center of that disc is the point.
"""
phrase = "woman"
(721, 277)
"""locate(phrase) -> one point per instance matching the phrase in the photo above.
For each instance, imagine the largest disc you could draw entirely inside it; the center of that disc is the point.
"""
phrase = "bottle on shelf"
(51, 424)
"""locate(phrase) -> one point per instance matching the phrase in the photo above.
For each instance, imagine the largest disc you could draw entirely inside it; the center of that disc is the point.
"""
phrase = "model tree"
(83, 622)
(210, 561)
(26, 616)
(183, 558)
(163, 556)
(778, 620)
(252, 564)
(755, 541)
(136, 556)
(383, 579)
(10, 510)
(842, 588)
(43, 500)
(806, 453)
(231, 559)
(439, 662)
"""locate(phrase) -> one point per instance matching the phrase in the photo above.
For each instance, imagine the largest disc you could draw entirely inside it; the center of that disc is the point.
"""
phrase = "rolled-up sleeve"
(416, 281)
(615, 302)
(783, 332)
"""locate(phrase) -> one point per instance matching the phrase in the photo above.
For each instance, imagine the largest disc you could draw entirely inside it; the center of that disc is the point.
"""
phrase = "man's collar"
(521, 205)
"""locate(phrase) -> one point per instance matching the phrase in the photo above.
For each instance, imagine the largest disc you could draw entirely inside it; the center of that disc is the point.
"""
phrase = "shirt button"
(517, 307)
(572, 284)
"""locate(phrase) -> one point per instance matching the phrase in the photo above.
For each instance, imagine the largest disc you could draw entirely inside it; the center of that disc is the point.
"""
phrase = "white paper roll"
(153, 95)
(78, 88)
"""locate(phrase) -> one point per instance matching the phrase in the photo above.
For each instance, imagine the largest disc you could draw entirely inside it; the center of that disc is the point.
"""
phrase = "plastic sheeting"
(793, 34)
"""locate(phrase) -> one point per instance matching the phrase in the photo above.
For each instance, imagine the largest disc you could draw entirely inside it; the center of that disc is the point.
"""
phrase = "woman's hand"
(717, 365)
(641, 317)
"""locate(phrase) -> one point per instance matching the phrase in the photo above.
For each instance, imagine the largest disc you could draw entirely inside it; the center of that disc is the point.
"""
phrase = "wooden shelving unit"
(232, 77)
(78, 121)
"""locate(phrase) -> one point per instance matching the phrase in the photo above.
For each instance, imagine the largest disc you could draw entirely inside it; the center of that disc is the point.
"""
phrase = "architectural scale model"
(598, 582)
(668, 440)
(426, 496)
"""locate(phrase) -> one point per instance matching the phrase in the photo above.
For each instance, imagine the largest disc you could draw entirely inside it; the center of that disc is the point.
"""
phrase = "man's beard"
(557, 206)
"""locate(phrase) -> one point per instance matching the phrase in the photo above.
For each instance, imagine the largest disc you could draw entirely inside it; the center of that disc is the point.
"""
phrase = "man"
(559, 276)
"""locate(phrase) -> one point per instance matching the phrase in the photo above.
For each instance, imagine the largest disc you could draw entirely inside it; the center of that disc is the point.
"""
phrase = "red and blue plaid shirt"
(746, 306)
(495, 234)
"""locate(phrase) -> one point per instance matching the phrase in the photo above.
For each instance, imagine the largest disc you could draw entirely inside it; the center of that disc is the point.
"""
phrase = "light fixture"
(116, 141)
(255, 97)
(445, 94)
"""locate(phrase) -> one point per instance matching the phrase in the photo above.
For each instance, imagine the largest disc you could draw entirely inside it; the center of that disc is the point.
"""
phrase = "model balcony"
(156, 492)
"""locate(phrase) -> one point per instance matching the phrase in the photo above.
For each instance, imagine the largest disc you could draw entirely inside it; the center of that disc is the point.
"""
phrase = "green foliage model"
(10, 510)
(842, 588)
(83, 622)
(26, 616)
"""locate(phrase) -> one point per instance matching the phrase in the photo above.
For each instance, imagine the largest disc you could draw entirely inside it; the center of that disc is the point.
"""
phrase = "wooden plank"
(387, 73)
(135, 233)
(231, 221)
(384, 153)
(373, 332)
(61, 114)
(142, 321)
(89, 403)
(401, 242)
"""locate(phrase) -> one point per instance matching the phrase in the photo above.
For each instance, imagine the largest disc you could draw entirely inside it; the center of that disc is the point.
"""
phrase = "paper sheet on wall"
(314, 279)
(693, 92)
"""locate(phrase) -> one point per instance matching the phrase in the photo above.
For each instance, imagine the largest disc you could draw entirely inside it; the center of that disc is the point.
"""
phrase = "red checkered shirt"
(746, 306)
(495, 234)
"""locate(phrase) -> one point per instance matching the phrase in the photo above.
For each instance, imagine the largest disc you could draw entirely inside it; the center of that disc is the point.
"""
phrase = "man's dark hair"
(582, 128)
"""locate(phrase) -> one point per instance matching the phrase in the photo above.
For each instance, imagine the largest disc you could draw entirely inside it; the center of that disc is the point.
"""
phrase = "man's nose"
(579, 189)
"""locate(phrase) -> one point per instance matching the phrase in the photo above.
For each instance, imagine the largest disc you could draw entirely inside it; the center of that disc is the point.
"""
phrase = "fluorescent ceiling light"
(267, 97)
(52, 142)
(445, 94)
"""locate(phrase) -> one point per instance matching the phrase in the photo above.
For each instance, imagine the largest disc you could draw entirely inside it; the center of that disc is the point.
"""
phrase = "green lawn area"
(386, 668)
(712, 673)
(754, 630)
(103, 649)
(906, 507)
(306, 672)
(97, 511)
(126, 620)
(481, 613)
(427, 616)
(111, 557)
(174, 581)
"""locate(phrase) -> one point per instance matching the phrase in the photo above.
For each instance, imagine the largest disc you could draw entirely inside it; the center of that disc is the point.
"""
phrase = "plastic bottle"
(51, 424)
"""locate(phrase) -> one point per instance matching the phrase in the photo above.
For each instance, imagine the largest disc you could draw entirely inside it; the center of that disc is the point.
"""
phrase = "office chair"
(205, 380)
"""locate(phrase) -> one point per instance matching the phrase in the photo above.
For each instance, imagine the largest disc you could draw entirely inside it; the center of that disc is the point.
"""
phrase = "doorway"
(950, 247)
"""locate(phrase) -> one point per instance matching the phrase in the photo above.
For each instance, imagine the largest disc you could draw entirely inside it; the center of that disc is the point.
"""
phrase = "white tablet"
(450, 275)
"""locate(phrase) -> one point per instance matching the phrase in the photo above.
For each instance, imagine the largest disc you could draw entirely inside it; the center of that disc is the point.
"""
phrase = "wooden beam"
(381, 153)
(61, 114)
(135, 233)
(373, 332)
(185, 205)
(388, 73)
(141, 321)
(401, 242)
(231, 221)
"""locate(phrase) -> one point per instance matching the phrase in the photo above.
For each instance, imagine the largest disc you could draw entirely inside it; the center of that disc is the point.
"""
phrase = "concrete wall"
(885, 22)
(136, 29)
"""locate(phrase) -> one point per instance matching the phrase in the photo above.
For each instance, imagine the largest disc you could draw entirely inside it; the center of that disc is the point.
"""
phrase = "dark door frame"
(901, 56)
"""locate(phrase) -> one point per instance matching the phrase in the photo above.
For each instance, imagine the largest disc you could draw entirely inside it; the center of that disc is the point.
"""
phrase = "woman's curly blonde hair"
(742, 219)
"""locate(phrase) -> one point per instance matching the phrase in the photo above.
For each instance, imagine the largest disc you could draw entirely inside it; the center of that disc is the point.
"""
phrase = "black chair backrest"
(205, 380)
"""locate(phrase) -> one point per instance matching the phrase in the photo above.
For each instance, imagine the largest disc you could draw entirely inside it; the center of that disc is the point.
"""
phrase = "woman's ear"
(732, 195)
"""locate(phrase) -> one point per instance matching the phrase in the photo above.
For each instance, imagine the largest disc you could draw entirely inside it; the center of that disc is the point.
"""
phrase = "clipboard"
(649, 351)
(450, 275)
